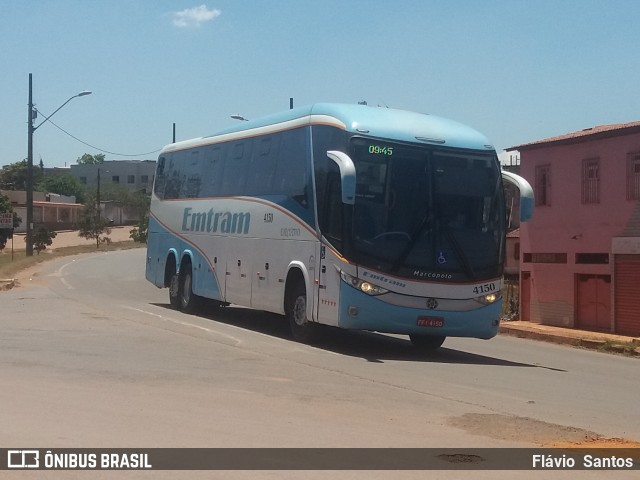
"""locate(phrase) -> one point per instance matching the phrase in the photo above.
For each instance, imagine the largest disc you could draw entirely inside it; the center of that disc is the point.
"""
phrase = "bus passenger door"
(332, 226)
(328, 288)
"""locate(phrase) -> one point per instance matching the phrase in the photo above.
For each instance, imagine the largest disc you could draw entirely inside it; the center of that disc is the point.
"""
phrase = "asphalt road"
(91, 356)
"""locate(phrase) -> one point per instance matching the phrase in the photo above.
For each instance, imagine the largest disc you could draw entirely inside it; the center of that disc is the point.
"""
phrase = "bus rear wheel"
(174, 291)
(427, 343)
(302, 330)
(189, 301)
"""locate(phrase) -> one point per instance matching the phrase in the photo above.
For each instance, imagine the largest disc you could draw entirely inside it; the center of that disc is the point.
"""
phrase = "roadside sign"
(6, 220)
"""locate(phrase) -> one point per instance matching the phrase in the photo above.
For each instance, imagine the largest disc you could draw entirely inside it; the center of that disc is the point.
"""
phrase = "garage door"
(627, 294)
(594, 302)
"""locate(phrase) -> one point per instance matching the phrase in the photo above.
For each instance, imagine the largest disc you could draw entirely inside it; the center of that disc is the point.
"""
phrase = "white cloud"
(194, 17)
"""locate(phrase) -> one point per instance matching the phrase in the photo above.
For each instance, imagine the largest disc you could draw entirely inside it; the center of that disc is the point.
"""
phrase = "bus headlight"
(489, 298)
(365, 287)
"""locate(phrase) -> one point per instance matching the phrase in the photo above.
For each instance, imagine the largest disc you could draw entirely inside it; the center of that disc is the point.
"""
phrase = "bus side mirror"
(526, 194)
(347, 175)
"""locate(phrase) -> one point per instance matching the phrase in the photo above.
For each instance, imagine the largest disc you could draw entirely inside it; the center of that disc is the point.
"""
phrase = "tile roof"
(593, 133)
(514, 233)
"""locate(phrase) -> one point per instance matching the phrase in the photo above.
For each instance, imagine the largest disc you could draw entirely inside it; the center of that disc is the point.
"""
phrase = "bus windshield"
(426, 213)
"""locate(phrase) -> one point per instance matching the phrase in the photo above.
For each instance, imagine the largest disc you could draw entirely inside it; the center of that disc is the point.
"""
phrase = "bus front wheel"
(302, 330)
(427, 343)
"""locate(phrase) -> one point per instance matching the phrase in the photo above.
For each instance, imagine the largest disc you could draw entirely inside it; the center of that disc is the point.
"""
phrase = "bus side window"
(291, 175)
(236, 166)
(173, 182)
(213, 171)
(158, 186)
(262, 169)
(176, 176)
(193, 182)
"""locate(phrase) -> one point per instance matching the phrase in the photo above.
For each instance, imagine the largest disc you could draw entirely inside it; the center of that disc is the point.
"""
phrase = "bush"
(42, 238)
(139, 233)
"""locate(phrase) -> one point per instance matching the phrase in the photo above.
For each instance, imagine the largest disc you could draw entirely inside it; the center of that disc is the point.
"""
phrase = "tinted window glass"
(236, 168)
(159, 182)
(263, 166)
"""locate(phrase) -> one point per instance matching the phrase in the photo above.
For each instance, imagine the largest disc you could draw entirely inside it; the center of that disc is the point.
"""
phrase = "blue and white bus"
(344, 215)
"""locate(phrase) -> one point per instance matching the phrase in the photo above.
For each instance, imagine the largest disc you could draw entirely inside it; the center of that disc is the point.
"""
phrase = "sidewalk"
(568, 336)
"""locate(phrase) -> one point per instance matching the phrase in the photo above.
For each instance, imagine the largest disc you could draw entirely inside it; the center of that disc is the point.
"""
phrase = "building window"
(131, 179)
(144, 179)
(115, 179)
(633, 176)
(543, 185)
(544, 258)
(83, 180)
(592, 258)
(591, 181)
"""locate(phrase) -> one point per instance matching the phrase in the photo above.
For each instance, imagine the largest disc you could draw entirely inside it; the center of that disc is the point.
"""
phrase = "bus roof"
(387, 123)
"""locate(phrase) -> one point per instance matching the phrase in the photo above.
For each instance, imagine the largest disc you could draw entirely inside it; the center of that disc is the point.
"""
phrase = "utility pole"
(30, 129)
(29, 236)
(98, 200)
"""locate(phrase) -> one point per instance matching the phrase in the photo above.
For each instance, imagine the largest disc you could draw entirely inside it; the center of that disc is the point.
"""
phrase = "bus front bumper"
(359, 311)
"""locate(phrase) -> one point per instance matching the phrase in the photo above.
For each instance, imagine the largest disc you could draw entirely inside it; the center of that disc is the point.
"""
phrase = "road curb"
(630, 348)
(7, 283)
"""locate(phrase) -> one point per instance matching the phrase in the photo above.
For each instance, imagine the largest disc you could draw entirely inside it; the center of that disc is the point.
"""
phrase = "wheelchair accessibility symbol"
(442, 259)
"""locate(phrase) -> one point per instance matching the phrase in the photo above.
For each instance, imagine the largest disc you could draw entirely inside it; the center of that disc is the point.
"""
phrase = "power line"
(98, 148)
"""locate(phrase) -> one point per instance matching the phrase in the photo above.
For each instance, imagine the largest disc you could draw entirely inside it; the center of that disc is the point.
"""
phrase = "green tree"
(7, 233)
(14, 176)
(88, 159)
(42, 238)
(139, 232)
(92, 225)
(64, 184)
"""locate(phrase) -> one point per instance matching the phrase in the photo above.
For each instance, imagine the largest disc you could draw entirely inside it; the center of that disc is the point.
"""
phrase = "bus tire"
(189, 301)
(174, 291)
(302, 330)
(427, 343)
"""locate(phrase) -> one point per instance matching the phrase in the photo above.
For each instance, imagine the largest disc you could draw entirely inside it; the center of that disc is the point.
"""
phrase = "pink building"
(580, 254)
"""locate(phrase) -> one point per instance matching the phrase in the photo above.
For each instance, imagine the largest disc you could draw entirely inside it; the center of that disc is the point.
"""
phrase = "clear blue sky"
(516, 70)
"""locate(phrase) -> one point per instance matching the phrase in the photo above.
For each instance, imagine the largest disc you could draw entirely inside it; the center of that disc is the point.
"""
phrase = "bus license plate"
(434, 322)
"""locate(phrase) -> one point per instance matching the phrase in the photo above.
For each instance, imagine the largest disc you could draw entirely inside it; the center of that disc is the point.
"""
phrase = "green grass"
(9, 268)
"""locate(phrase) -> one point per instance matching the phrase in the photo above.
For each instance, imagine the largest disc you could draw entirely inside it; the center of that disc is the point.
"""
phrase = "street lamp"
(239, 117)
(30, 129)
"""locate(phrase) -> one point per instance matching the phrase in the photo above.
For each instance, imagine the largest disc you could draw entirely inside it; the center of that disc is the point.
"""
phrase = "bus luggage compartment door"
(238, 278)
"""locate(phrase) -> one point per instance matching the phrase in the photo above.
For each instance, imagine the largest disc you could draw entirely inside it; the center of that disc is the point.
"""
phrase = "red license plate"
(434, 322)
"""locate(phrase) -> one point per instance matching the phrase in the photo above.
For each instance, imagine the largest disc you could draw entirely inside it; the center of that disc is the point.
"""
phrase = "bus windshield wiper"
(468, 269)
(424, 223)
